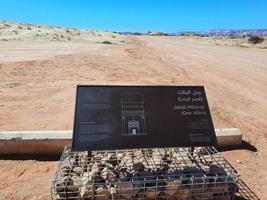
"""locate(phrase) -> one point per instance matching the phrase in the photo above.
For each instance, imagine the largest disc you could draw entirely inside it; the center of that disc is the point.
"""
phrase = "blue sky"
(139, 15)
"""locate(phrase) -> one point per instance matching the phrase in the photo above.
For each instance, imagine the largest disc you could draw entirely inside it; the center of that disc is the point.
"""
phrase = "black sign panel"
(119, 117)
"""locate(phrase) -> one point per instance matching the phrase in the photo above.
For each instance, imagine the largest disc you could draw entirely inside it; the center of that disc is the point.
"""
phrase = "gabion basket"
(158, 173)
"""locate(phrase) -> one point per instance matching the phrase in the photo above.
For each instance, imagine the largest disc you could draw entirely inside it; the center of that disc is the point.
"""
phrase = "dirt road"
(37, 90)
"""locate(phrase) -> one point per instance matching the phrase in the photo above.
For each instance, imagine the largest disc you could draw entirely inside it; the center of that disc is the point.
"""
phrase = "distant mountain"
(241, 32)
(238, 32)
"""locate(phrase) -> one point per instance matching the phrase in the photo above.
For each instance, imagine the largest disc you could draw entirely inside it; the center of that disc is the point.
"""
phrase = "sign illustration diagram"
(133, 114)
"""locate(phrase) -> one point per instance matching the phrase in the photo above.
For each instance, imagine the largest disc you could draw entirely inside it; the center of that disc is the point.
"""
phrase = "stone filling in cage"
(162, 173)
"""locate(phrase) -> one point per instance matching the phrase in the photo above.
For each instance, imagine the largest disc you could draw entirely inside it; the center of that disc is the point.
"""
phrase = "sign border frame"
(160, 86)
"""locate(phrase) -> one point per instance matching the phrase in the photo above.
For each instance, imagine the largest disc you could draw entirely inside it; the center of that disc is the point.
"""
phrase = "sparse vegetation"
(13, 85)
(106, 42)
(246, 42)
(136, 33)
(157, 34)
(255, 39)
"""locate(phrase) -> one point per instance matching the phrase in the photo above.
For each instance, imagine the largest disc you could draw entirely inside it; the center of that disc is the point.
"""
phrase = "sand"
(227, 41)
(38, 81)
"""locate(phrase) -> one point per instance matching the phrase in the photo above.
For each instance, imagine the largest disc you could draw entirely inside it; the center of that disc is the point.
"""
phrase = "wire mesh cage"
(159, 173)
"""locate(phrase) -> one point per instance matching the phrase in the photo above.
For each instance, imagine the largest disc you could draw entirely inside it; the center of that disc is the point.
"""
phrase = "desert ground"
(227, 41)
(38, 79)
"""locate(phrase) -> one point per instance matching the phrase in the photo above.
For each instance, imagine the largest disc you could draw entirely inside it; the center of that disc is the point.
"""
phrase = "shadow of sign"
(245, 146)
